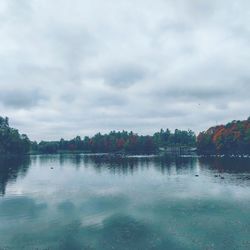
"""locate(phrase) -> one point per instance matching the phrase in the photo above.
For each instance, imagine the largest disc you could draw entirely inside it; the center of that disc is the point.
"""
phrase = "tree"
(11, 142)
(232, 138)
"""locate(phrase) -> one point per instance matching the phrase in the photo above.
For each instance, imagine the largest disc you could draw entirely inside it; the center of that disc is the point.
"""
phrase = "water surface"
(103, 202)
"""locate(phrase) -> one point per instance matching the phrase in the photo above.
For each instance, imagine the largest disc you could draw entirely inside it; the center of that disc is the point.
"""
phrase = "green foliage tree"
(121, 142)
(11, 142)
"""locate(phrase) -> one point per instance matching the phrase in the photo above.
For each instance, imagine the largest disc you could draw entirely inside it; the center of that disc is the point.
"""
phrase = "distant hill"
(232, 138)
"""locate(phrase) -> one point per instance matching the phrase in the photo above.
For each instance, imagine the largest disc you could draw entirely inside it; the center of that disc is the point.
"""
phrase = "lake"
(105, 202)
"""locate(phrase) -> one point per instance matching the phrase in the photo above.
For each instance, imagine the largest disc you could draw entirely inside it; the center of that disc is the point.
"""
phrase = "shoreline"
(131, 155)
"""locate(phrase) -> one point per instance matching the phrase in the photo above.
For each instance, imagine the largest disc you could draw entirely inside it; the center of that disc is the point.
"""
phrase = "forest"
(119, 142)
(232, 138)
(11, 142)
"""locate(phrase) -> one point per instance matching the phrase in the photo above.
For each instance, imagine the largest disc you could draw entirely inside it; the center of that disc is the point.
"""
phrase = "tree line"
(232, 138)
(11, 142)
(121, 141)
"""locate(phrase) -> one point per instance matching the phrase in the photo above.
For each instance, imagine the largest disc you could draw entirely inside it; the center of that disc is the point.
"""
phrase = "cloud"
(21, 99)
(79, 67)
(124, 75)
(21, 207)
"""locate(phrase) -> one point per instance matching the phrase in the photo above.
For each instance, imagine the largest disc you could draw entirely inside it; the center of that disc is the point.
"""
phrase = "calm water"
(100, 202)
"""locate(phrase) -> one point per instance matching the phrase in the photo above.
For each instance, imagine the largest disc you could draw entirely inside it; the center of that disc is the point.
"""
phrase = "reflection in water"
(227, 165)
(20, 206)
(106, 202)
(10, 169)
(129, 165)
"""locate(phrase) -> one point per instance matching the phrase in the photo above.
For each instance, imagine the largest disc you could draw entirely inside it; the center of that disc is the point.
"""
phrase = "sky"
(77, 67)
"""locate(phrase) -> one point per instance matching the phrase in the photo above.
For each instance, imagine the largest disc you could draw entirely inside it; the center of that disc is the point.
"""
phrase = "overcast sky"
(76, 67)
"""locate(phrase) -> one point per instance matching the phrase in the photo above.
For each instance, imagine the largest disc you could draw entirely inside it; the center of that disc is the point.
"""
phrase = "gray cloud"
(21, 99)
(79, 67)
(124, 75)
